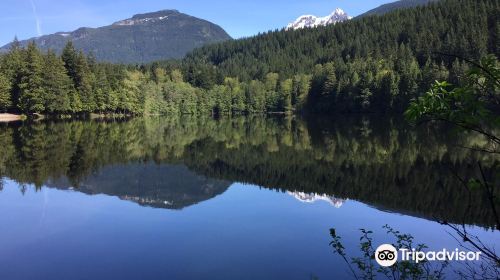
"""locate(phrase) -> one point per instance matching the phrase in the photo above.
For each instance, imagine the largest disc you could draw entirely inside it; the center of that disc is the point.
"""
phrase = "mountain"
(143, 38)
(308, 21)
(402, 4)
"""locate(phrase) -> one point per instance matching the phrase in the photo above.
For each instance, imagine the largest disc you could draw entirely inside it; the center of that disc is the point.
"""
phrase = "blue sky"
(29, 18)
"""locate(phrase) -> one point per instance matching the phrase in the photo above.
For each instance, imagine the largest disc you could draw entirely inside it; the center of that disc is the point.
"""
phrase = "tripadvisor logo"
(387, 255)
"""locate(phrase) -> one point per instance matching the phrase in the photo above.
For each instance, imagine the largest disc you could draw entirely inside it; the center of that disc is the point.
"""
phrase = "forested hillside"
(143, 38)
(372, 64)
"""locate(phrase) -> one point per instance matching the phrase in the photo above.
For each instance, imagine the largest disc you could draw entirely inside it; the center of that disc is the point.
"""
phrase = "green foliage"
(57, 85)
(473, 106)
(68, 84)
(364, 267)
(256, 97)
(271, 85)
(285, 90)
(5, 98)
(301, 88)
(31, 93)
(176, 76)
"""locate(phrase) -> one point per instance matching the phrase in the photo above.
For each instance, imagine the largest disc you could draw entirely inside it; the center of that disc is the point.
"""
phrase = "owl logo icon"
(386, 255)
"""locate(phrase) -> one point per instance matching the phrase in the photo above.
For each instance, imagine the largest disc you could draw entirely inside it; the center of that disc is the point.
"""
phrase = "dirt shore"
(9, 118)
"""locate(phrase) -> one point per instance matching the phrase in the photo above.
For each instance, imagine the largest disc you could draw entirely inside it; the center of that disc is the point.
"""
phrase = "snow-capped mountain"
(308, 21)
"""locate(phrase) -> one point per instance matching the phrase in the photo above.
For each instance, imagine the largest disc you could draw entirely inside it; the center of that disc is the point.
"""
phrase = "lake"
(241, 198)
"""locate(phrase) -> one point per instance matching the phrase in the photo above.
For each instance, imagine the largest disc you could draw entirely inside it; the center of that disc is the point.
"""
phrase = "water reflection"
(175, 163)
(314, 197)
(148, 184)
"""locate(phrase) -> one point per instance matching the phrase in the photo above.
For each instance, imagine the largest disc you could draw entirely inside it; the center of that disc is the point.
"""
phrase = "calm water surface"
(247, 198)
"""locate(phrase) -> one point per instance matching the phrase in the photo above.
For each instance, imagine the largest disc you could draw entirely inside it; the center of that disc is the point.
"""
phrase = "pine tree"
(12, 65)
(112, 100)
(84, 81)
(5, 94)
(101, 90)
(159, 75)
(271, 84)
(129, 99)
(302, 86)
(57, 84)
(31, 99)
(69, 57)
(285, 93)
(176, 76)
(330, 80)
(78, 70)
(75, 102)
(328, 93)
(388, 89)
(236, 94)
(256, 97)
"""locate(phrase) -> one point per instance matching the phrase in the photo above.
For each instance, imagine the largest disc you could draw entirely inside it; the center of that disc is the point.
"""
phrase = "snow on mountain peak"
(135, 21)
(309, 21)
(339, 11)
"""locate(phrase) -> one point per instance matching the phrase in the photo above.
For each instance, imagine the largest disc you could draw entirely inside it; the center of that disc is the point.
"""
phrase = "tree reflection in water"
(379, 161)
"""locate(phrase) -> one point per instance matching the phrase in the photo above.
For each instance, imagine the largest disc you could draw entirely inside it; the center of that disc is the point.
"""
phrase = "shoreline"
(5, 118)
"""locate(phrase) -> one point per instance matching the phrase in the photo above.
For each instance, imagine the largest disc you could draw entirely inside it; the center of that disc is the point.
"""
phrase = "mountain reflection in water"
(174, 163)
(149, 184)
(312, 198)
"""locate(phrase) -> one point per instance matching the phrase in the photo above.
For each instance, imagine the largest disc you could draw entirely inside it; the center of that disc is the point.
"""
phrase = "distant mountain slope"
(143, 38)
(402, 4)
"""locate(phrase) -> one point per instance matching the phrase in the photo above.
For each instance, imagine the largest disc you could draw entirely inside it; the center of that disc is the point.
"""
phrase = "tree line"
(69, 83)
(74, 83)
(375, 63)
